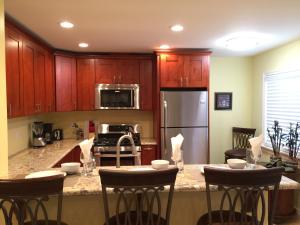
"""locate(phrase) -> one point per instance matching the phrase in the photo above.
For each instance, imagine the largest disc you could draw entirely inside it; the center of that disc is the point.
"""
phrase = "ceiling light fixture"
(242, 41)
(177, 28)
(83, 45)
(66, 24)
(164, 46)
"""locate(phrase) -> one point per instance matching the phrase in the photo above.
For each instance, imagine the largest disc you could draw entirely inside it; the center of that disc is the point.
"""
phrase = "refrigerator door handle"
(165, 125)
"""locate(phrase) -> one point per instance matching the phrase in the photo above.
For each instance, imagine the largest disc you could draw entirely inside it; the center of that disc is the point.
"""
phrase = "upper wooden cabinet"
(85, 84)
(146, 85)
(26, 66)
(66, 97)
(14, 75)
(184, 70)
(117, 71)
(50, 83)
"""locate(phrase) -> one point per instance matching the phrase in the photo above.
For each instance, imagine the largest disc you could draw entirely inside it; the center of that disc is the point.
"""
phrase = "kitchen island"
(82, 203)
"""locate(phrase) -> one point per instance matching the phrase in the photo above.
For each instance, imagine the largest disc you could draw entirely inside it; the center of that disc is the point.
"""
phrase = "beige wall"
(3, 115)
(230, 74)
(19, 128)
(285, 58)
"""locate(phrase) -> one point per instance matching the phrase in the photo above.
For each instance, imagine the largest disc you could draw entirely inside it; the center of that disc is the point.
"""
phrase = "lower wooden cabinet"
(72, 156)
(148, 154)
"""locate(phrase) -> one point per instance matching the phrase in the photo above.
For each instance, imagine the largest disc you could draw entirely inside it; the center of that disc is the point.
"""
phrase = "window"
(281, 100)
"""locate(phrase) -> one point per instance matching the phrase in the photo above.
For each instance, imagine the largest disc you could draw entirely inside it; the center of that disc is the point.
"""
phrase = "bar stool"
(240, 142)
(241, 189)
(23, 200)
(137, 193)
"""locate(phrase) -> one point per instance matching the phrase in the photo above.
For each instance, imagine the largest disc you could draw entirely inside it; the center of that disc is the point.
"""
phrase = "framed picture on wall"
(223, 100)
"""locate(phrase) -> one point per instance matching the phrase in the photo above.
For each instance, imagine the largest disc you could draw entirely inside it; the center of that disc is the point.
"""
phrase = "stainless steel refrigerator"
(185, 112)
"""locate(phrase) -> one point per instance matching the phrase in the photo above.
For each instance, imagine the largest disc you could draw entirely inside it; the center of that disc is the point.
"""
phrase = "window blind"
(281, 101)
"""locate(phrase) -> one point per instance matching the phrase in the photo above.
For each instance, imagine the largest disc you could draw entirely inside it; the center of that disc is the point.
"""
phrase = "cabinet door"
(14, 79)
(50, 84)
(146, 85)
(196, 71)
(105, 70)
(39, 80)
(65, 83)
(171, 70)
(85, 84)
(148, 154)
(128, 71)
(28, 58)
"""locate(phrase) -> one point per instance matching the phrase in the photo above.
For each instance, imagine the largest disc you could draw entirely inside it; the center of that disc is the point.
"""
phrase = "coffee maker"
(37, 135)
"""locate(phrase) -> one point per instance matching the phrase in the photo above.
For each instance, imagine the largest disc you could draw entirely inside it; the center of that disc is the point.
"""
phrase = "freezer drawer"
(195, 144)
(184, 108)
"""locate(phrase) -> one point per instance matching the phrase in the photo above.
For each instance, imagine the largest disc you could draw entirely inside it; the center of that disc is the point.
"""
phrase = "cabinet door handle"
(186, 81)
(114, 79)
(181, 81)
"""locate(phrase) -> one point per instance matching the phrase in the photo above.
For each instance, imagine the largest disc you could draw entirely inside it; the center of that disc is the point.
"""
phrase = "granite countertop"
(148, 141)
(36, 159)
(190, 180)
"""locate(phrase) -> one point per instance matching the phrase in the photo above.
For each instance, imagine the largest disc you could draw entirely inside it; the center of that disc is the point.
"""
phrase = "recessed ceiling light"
(83, 45)
(164, 46)
(242, 41)
(177, 28)
(66, 24)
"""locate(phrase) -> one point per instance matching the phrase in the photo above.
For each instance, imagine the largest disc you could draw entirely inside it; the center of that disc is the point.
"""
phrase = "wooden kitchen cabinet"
(14, 75)
(85, 84)
(184, 70)
(39, 80)
(117, 71)
(148, 154)
(72, 156)
(66, 93)
(28, 72)
(146, 85)
(105, 70)
(49, 83)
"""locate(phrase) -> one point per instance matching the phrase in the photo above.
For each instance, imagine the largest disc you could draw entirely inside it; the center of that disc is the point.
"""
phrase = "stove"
(106, 139)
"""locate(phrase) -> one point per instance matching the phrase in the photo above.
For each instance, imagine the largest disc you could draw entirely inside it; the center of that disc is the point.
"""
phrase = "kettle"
(57, 134)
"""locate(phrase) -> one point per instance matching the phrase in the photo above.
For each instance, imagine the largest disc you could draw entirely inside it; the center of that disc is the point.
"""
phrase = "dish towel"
(86, 146)
(176, 147)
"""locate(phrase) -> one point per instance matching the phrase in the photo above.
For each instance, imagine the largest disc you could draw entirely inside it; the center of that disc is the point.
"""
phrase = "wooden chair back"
(24, 200)
(243, 194)
(241, 136)
(138, 195)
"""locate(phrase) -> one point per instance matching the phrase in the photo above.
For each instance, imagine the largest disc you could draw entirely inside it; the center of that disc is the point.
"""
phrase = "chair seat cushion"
(113, 220)
(236, 153)
(216, 218)
(43, 222)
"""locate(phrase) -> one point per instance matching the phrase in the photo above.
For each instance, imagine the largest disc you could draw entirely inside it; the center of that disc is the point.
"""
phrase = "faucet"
(125, 136)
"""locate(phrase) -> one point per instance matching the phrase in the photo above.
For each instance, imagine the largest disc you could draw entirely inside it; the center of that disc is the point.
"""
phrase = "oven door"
(120, 96)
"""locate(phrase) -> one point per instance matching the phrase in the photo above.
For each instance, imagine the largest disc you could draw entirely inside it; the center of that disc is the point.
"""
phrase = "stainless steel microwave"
(117, 96)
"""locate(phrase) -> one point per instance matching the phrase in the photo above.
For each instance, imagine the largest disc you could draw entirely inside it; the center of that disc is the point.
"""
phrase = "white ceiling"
(143, 25)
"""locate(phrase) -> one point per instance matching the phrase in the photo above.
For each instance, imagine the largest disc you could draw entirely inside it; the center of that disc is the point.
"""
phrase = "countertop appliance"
(48, 135)
(186, 112)
(37, 135)
(117, 96)
(106, 139)
(58, 134)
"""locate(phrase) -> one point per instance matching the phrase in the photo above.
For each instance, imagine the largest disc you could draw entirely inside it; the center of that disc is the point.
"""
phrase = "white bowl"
(160, 164)
(236, 163)
(70, 167)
